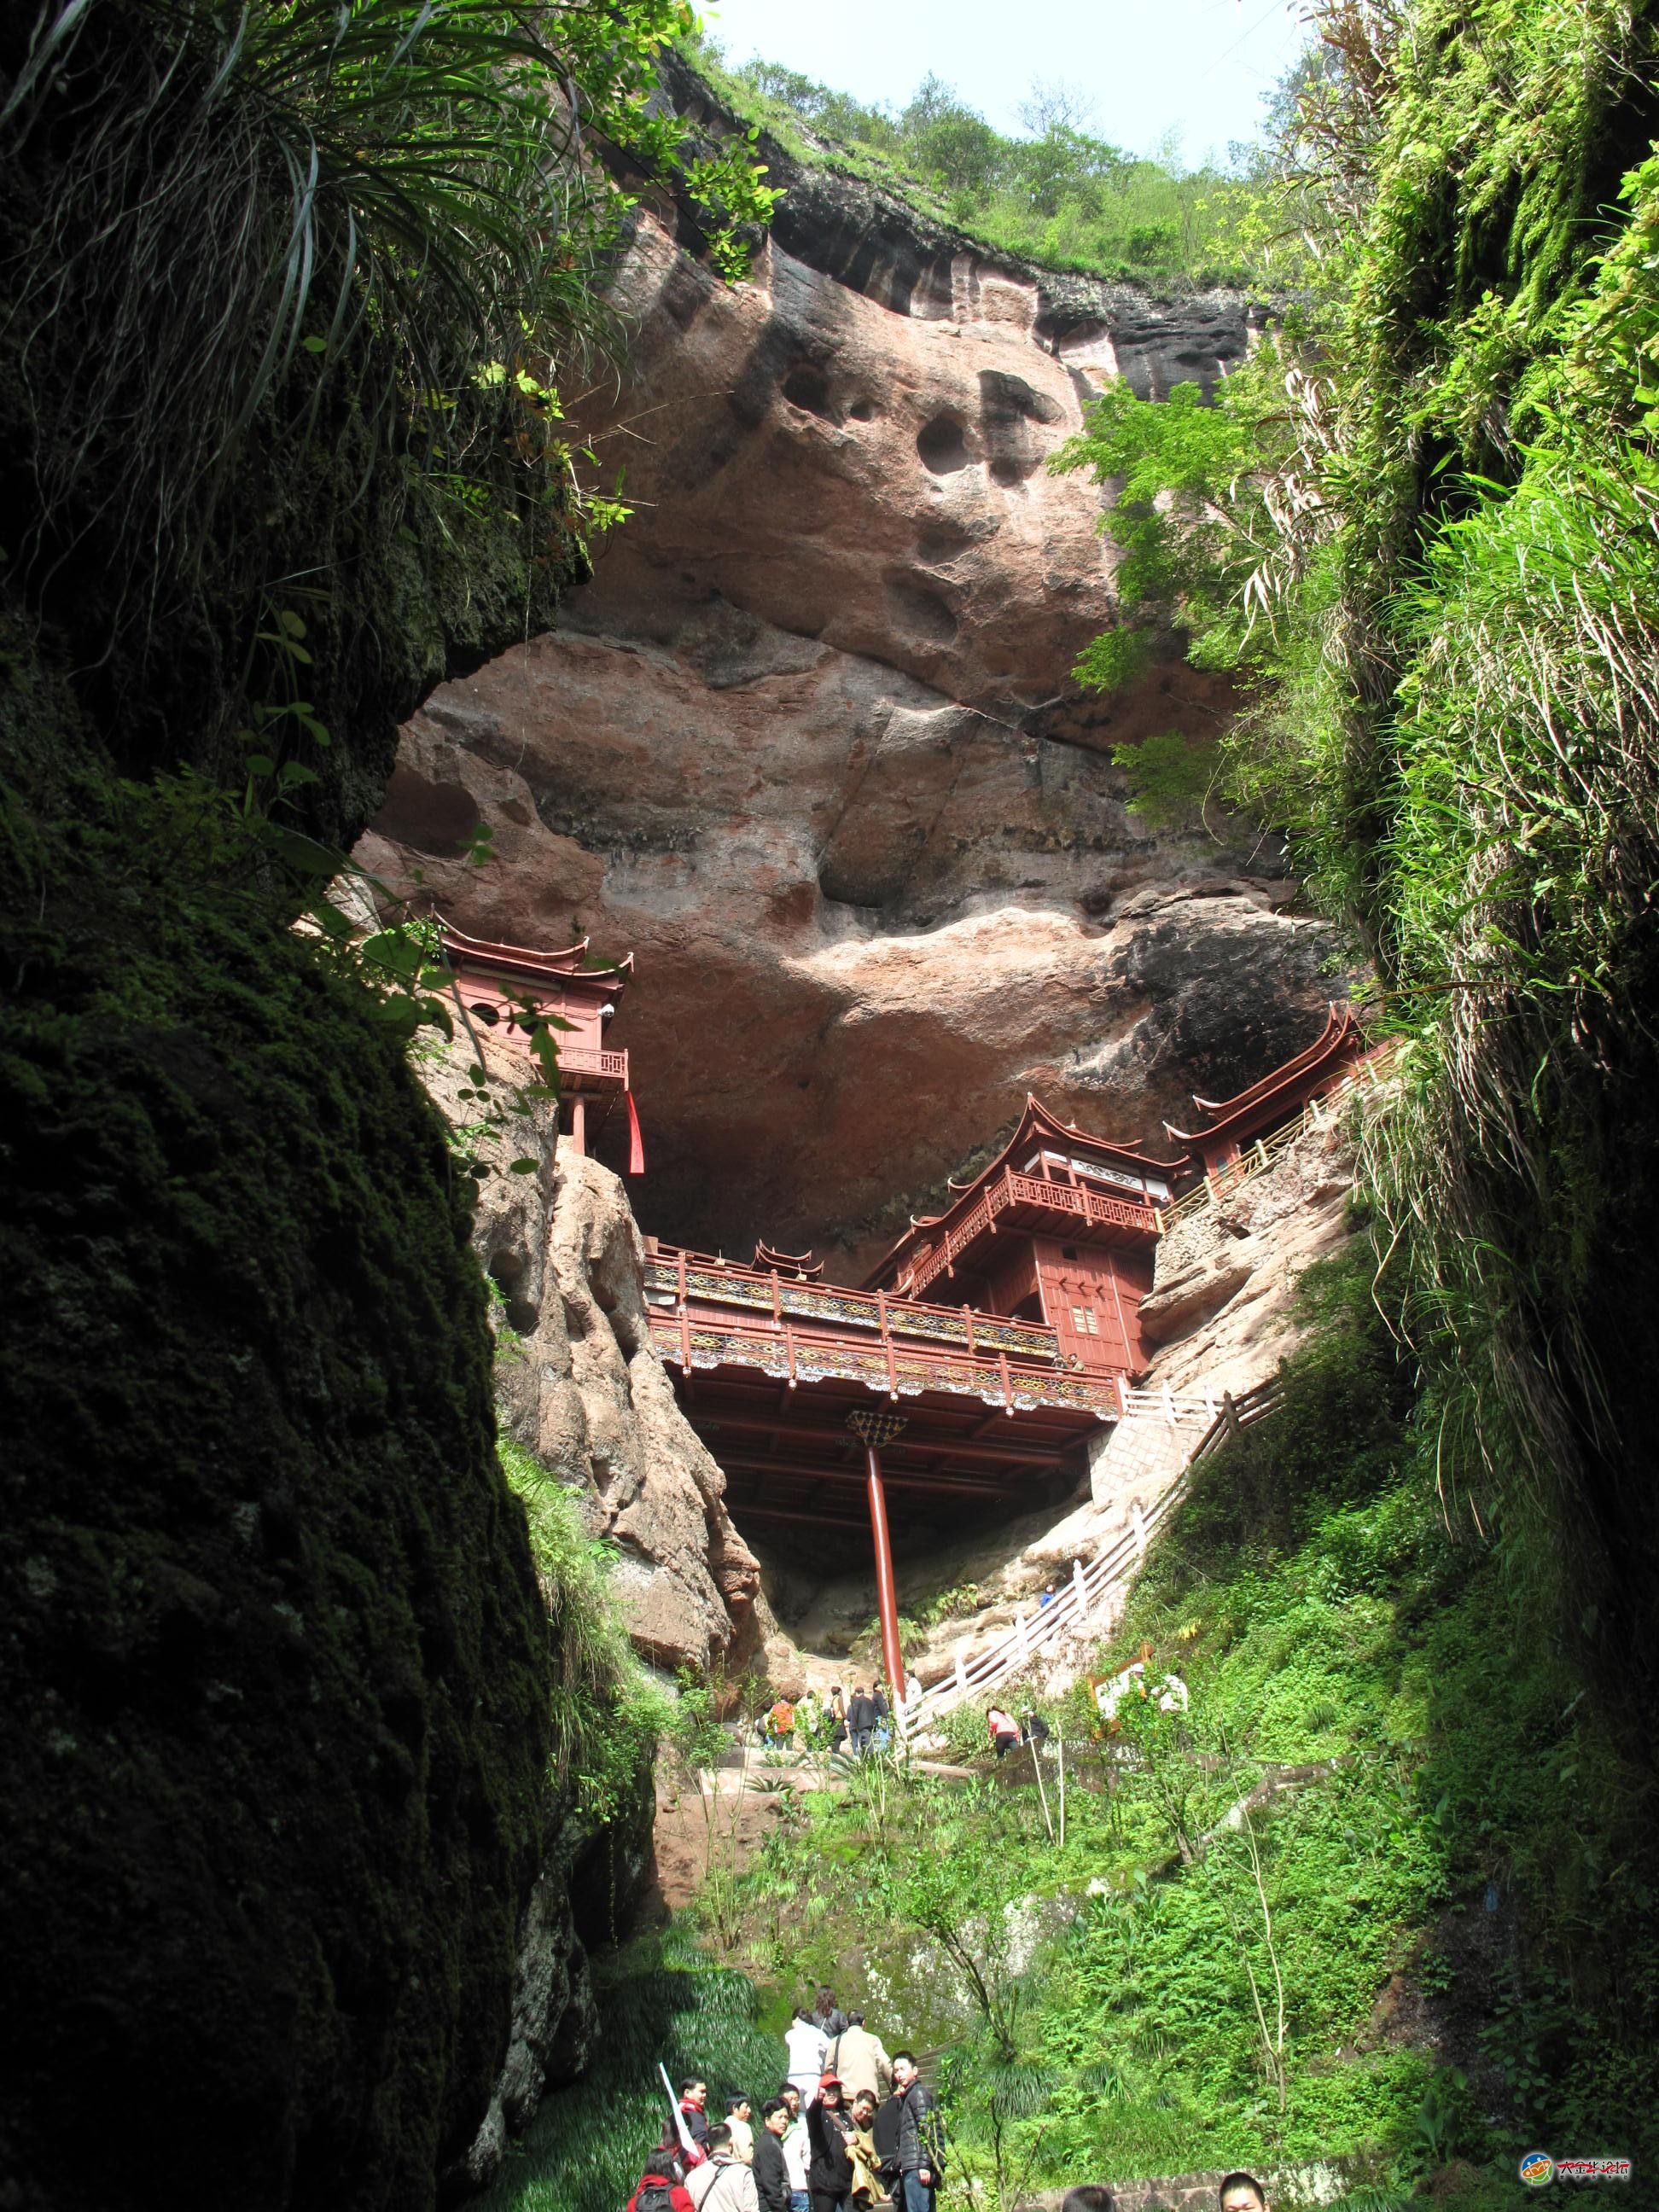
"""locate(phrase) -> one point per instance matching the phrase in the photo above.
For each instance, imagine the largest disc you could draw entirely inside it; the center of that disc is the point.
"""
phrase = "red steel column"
(886, 1589)
(875, 1429)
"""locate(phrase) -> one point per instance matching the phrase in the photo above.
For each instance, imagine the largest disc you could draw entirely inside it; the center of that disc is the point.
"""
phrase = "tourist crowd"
(835, 1723)
(848, 2129)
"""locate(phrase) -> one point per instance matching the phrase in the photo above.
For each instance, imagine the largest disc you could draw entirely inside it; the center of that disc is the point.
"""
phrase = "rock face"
(808, 743)
(579, 1385)
(276, 1672)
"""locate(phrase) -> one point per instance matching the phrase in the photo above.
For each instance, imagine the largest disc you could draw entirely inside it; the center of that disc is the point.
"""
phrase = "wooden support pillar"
(578, 1125)
(874, 1429)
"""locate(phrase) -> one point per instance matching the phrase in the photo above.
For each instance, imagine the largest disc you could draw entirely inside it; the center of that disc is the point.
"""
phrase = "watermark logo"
(1538, 2169)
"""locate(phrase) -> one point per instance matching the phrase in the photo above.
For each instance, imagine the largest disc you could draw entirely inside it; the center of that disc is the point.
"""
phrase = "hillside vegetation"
(1423, 530)
(1422, 1941)
(1059, 195)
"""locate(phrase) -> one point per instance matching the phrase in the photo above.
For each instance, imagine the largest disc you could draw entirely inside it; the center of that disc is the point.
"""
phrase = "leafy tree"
(1192, 516)
(1059, 194)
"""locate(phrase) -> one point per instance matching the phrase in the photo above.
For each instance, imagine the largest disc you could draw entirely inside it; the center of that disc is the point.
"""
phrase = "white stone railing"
(1079, 1606)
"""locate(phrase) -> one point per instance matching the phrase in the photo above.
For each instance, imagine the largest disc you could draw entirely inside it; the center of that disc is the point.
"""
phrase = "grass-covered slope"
(1424, 1943)
(1062, 196)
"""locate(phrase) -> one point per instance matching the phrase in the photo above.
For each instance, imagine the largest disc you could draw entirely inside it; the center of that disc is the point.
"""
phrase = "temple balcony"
(588, 1067)
(1037, 1206)
(709, 1315)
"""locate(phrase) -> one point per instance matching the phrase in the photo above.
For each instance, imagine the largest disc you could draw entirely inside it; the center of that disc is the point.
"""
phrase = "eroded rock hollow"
(809, 746)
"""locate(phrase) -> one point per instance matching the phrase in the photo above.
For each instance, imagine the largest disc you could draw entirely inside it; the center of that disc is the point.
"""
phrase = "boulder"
(1189, 1298)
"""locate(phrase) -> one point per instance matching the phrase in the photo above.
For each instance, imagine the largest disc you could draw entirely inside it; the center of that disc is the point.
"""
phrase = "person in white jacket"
(797, 2151)
(805, 2043)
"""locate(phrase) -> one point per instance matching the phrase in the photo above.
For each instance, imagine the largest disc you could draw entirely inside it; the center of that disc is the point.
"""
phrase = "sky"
(1196, 67)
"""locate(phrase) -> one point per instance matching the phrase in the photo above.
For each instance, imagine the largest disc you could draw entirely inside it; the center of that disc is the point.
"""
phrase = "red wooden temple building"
(969, 1372)
(1230, 1124)
(510, 993)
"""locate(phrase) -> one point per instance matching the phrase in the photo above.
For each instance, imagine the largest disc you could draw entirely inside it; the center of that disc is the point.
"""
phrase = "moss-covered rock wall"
(275, 1703)
(276, 1675)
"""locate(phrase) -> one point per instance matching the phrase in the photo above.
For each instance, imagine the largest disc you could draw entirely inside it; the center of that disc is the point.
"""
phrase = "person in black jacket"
(922, 2136)
(694, 2102)
(884, 2138)
(830, 2177)
(860, 1719)
(771, 2176)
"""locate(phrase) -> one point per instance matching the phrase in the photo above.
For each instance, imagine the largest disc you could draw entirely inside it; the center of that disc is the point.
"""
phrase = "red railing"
(804, 1331)
(796, 1355)
(1010, 1189)
(674, 1272)
(584, 1059)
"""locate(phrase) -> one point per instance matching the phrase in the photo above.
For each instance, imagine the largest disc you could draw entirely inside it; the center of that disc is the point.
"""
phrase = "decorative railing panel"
(587, 1059)
(1010, 1189)
(795, 1359)
(714, 1282)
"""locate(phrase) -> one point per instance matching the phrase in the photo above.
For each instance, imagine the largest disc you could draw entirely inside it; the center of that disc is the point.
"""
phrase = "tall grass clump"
(1422, 536)
(661, 2002)
(243, 242)
(607, 1709)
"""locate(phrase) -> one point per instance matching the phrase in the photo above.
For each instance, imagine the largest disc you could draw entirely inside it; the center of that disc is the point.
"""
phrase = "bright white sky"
(1198, 67)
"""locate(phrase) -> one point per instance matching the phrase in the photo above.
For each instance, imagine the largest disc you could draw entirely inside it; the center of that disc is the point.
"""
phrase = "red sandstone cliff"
(808, 745)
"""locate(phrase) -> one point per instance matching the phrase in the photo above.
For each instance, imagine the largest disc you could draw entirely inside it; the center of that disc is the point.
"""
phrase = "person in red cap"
(829, 2129)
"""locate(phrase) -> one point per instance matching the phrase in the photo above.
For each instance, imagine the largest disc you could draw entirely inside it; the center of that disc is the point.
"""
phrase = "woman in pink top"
(1003, 1730)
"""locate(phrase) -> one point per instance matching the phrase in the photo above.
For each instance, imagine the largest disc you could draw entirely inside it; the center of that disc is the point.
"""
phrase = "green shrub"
(607, 1711)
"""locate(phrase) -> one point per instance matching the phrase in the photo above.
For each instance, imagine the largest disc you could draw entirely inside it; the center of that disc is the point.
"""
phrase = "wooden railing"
(899, 1369)
(698, 1279)
(585, 1060)
(1080, 1603)
(1011, 1189)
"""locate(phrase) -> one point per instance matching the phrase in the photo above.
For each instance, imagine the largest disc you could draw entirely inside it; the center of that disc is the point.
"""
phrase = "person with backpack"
(771, 2174)
(830, 2130)
(827, 2013)
(658, 2189)
(921, 2137)
(723, 2183)
(880, 1733)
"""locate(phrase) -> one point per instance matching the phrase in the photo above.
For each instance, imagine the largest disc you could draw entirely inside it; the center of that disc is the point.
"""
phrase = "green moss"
(276, 1702)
